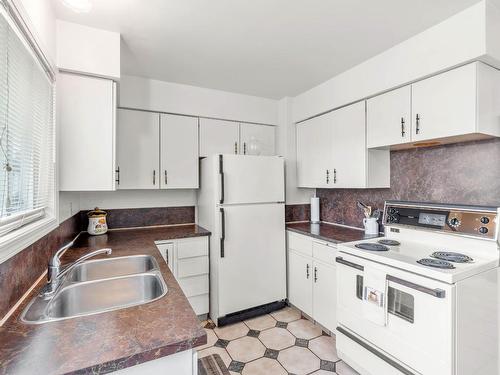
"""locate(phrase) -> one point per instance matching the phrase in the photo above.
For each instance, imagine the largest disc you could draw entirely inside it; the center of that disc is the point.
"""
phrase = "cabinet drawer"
(192, 248)
(199, 304)
(324, 252)
(299, 243)
(192, 266)
(194, 286)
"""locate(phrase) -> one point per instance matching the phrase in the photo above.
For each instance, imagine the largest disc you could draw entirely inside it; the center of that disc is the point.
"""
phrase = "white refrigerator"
(241, 201)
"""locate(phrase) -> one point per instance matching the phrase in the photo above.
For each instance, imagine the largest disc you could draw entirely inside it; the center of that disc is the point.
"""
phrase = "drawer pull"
(349, 264)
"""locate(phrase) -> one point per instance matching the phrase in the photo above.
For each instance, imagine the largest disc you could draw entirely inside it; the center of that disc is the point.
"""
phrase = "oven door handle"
(349, 264)
(438, 293)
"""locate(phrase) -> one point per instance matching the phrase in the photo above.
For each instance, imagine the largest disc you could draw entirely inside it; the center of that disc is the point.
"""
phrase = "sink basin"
(103, 295)
(112, 267)
(98, 286)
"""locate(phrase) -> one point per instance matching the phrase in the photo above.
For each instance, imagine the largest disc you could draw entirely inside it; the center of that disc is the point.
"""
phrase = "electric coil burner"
(372, 246)
(436, 263)
(452, 257)
(389, 242)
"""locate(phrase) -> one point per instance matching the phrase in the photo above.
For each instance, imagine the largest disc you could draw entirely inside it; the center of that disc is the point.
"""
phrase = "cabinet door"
(86, 115)
(349, 147)
(445, 105)
(256, 139)
(325, 295)
(167, 252)
(218, 137)
(179, 152)
(138, 146)
(300, 282)
(314, 152)
(389, 118)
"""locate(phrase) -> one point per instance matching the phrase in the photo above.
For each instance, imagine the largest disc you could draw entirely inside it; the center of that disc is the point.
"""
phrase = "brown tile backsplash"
(18, 273)
(463, 173)
(145, 217)
(297, 212)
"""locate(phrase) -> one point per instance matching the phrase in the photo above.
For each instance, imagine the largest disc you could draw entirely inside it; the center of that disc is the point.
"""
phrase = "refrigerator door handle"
(221, 175)
(222, 231)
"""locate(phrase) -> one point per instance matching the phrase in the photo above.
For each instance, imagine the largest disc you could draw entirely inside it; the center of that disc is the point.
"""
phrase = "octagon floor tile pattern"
(279, 343)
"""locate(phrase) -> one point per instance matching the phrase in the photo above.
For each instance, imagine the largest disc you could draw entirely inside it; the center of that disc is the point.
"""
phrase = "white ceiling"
(269, 48)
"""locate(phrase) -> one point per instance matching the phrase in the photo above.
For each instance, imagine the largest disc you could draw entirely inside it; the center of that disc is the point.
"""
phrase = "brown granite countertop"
(328, 232)
(109, 341)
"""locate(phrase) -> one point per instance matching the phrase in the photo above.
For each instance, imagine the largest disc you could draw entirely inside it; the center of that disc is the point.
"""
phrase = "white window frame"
(19, 239)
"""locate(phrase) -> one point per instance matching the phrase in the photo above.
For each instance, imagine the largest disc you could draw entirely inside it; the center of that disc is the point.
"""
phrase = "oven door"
(419, 315)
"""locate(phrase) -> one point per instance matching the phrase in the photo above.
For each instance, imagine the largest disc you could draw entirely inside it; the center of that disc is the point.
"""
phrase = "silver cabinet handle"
(315, 274)
(334, 175)
(438, 293)
(166, 180)
(154, 177)
(117, 180)
(307, 271)
(244, 148)
(235, 147)
(403, 132)
(417, 128)
(327, 176)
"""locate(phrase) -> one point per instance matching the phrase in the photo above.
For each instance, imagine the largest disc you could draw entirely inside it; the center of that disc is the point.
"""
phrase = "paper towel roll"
(314, 210)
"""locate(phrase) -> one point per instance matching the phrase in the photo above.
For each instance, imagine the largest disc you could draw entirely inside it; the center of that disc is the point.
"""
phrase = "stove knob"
(454, 222)
(484, 220)
(392, 211)
(483, 230)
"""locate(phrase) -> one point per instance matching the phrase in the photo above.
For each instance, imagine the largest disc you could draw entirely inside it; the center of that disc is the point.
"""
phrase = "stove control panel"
(466, 220)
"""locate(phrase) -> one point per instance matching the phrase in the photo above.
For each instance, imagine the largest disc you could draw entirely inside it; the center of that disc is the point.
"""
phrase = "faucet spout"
(55, 273)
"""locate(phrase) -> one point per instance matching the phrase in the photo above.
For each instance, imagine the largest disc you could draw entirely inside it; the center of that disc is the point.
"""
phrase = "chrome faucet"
(55, 273)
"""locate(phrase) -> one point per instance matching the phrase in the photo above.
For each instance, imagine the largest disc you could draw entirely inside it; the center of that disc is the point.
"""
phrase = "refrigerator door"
(251, 179)
(252, 260)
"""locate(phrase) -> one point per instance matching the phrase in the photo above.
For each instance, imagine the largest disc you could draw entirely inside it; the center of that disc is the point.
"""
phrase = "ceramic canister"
(97, 222)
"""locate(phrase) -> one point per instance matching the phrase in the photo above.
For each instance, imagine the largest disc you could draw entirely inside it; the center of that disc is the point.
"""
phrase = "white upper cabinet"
(218, 137)
(257, 139)
(389, 118)
(459, 105)
(179, 152)
(138, 150)
(86, 121)
(332, 153)
(314, 152)
(349, 147)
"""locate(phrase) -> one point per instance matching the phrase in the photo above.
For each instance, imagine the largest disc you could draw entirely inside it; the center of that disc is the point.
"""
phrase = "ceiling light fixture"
(78, 6)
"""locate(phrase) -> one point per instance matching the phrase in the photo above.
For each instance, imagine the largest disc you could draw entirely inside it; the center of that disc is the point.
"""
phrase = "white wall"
(142, 93)
(137, 199)
(286, 146)
(43, 19)
(459, 39)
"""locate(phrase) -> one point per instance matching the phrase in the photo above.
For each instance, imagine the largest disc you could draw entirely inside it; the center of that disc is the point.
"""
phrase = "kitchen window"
(27, 152)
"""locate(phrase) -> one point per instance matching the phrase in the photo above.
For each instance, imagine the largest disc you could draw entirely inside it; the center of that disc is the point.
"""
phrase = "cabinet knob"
(117, 180)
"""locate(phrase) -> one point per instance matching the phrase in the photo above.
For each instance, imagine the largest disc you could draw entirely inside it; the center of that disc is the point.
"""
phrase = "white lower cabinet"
(312, 278)
(188, 260)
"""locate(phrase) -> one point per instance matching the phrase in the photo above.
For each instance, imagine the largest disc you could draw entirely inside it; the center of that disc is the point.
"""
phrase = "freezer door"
(252, 179)
(252, 266)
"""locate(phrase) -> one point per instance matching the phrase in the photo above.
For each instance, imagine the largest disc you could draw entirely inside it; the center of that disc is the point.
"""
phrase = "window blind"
(26, 133)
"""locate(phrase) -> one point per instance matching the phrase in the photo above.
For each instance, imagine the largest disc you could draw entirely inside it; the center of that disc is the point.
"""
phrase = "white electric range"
(424, 299)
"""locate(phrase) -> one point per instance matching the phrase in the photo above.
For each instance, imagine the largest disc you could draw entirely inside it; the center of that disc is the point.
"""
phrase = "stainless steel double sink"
(97, 286)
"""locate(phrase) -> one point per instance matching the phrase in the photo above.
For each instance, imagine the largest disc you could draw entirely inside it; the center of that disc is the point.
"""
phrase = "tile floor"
(279, 343)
